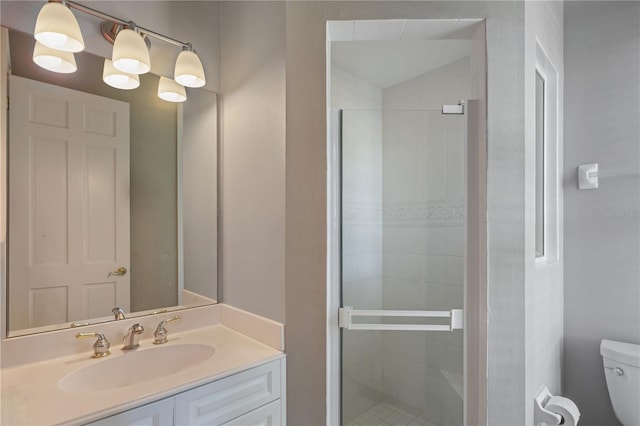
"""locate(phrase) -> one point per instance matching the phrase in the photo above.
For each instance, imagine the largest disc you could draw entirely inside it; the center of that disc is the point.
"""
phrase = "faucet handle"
(100, 347)
(118, 313)
(160, 335)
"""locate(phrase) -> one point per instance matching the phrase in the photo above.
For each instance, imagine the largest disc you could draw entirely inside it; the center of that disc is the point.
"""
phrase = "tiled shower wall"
(361, 103)
(423, 200)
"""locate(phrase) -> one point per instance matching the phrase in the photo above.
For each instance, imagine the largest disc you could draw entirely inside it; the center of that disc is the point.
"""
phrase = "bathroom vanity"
(209, 372)
(251, 397)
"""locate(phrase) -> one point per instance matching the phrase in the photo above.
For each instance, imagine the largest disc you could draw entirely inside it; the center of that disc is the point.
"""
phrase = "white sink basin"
(135, 367)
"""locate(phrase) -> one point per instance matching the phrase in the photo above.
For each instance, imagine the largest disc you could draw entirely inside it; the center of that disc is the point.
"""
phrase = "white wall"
(444, 85)
(252, 233)
(544, 284)
(602, 226)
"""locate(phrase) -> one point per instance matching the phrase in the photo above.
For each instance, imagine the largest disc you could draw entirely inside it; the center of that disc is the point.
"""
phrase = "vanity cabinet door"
(224, 400)
(268, 415)
(158, 413)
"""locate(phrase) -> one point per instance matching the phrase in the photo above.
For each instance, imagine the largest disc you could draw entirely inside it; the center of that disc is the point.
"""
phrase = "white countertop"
(30, 395)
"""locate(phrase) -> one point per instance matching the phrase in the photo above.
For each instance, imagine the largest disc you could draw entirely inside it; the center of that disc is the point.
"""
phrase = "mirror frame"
(4, 107)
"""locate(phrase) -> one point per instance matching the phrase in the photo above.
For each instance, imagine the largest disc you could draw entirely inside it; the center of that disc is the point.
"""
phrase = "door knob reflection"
(118, 272)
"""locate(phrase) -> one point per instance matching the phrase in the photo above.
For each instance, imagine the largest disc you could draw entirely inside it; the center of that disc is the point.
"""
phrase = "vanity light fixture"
(118, 79)
(171, 91)
(189, 71)
(57, 28)
(130, 53)
(54, 60)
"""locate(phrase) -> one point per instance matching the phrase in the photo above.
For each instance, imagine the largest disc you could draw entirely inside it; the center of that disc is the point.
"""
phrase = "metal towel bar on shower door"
(346, 314)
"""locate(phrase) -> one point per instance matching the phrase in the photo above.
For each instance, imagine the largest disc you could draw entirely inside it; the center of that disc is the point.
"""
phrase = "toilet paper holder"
(540, 413)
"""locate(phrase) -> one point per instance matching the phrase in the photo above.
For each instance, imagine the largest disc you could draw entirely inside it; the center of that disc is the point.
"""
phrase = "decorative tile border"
(415, 214)
(435, 213)
(362, 213)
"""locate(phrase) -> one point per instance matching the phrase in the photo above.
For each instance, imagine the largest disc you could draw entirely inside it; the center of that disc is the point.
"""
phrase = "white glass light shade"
(171, 91)
(189, 71)
(57, 28)
(54, 60)
(118, 79)
(130, 53)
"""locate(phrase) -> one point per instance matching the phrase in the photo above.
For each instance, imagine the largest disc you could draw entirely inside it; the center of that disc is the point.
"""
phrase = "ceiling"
(387, 63)
(402, 29)
(387, 52)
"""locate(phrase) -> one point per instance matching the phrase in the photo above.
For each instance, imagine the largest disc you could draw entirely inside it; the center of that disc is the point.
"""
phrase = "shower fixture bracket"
(588, 176)
(453, 109)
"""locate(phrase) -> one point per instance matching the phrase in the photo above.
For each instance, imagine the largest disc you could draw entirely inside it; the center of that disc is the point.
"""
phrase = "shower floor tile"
(385, 414)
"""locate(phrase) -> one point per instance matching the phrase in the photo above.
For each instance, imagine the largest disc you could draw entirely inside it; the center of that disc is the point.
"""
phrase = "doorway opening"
(405, 152)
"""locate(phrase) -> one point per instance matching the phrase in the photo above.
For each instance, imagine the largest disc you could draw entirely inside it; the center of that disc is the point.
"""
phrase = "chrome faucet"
(100, 347)
(160, 335)
(130, 341)
(119, 313)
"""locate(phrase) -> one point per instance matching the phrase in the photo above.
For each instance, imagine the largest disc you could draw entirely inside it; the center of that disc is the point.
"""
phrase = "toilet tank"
(622, 372)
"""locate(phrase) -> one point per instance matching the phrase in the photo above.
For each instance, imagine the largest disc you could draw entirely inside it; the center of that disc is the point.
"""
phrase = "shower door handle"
(346, 315)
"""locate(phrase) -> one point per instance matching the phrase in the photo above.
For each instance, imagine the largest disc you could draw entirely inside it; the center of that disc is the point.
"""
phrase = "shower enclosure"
(403, 244)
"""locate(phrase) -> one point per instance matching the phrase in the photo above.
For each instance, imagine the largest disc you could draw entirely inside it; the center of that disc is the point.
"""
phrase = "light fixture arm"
(93, 12)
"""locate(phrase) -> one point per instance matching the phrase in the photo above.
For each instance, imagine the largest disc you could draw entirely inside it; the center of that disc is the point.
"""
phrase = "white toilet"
(622, 370)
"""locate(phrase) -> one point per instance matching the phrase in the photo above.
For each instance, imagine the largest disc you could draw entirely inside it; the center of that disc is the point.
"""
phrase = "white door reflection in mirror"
(68, 204)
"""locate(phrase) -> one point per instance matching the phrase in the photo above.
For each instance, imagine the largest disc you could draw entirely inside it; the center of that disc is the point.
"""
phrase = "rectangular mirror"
(111, 196)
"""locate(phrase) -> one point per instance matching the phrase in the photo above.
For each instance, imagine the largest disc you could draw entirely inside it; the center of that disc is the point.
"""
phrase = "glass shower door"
(403, 242)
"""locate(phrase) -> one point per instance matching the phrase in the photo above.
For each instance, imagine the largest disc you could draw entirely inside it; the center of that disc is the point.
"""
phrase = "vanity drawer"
(267, 415)
(158, 413)
(226, 399)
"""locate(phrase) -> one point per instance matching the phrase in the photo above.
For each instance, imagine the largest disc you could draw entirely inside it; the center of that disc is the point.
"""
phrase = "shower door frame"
(475, 299)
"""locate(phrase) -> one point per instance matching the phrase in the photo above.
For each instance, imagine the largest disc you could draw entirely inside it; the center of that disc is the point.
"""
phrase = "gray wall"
(252, 176)
(544, 286)
(602, 227)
